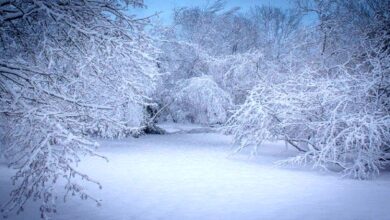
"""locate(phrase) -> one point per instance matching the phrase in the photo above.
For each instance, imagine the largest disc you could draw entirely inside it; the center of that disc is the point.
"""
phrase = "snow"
(195, 176)
(172, 127)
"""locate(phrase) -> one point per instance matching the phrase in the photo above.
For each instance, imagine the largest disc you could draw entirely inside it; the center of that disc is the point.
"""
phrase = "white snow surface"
(195, 176)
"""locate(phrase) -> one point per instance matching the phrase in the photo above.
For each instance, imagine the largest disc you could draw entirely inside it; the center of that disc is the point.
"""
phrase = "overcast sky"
(166, 6)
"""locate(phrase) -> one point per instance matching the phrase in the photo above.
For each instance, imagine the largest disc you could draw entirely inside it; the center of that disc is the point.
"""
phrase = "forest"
(77, 76)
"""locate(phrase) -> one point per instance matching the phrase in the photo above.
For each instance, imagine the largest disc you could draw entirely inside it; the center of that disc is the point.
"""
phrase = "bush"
(200, 100)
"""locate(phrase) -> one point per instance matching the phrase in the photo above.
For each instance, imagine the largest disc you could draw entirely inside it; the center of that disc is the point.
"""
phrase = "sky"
(165, 7)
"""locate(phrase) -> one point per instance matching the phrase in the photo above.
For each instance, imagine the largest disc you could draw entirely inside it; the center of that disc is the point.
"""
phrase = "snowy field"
(193, 176)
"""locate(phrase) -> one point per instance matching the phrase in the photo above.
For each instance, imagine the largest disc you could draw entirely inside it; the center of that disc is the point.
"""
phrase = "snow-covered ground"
(193, 176)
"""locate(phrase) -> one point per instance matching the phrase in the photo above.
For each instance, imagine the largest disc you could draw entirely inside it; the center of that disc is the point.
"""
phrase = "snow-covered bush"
(200, 100)
(331, 121)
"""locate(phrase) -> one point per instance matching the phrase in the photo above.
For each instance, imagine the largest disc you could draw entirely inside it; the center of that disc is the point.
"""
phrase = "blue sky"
(166, 6)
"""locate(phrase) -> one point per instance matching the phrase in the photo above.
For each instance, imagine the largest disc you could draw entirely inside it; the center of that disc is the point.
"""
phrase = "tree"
(333, 105)
(275, 28)
(217, 30)
(69, 70)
